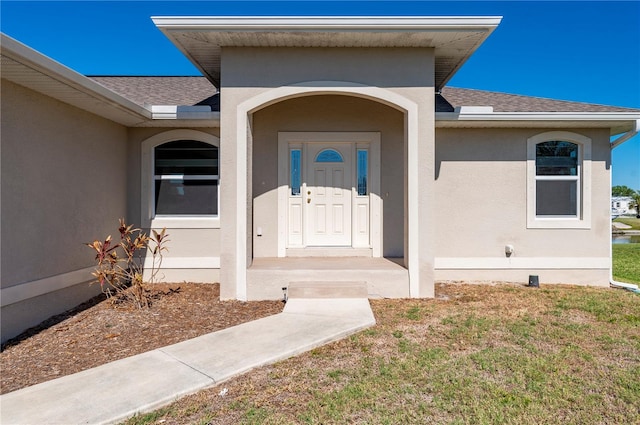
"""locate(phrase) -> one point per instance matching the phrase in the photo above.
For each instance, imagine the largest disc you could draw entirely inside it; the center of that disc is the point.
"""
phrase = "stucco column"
(233, 198)
(420, 217)
(426, 195)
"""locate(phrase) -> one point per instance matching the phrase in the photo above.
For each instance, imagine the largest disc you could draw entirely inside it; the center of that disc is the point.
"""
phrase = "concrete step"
(323, 289)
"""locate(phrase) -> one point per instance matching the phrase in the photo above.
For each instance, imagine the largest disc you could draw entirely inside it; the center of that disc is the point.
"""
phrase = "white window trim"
(147, 218)
(583, 219)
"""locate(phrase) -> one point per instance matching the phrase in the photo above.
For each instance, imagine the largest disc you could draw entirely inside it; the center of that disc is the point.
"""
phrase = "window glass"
(556, 198)
(187, 157)
(186, 178)
(294, 179)
(556, 158)
(186, 197)
(329, 155)
(557, 179)
(363, 166)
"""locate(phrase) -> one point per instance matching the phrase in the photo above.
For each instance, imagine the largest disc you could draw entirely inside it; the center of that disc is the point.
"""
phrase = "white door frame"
(298, 140)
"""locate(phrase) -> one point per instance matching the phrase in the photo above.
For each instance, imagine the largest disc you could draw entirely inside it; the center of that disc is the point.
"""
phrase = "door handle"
(308, 200)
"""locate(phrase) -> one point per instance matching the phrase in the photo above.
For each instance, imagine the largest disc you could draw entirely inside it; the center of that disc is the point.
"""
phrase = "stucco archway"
(236, 234)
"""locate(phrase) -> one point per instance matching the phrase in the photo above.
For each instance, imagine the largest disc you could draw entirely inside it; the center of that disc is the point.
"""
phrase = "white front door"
(328, 191)
(328, 194)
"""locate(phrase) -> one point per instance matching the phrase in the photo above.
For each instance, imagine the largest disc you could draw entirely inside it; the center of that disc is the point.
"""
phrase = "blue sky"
(584, 51)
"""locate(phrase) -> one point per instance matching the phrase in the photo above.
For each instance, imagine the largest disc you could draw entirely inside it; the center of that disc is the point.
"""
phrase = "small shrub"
(120, 266)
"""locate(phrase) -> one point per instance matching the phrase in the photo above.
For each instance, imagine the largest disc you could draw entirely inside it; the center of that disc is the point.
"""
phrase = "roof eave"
(68, 83)
(171, 26)
(283, 23)
(617, 122)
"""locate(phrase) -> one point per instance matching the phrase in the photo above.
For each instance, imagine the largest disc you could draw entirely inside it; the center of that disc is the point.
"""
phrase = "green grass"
(626, 262)
(488, 355)
(629, 221)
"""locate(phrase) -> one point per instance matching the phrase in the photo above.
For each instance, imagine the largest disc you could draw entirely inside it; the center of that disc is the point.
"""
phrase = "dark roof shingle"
(163, 90)
(199, 91)
(502, 102)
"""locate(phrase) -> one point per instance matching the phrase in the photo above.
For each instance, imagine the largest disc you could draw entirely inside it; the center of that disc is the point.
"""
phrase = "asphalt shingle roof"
(163, 90)
(199, 91)
(503, 102)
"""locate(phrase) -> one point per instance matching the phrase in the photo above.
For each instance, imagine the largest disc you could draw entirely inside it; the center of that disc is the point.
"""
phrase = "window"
(186, 178)
(329, 155)
(295, 177)
(559, 172)
(557, 179)
(363, 166)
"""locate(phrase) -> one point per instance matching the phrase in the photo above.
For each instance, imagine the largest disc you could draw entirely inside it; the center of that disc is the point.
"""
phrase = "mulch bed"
(98, 332)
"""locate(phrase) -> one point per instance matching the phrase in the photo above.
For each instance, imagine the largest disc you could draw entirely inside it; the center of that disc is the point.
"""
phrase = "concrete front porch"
(384, 277)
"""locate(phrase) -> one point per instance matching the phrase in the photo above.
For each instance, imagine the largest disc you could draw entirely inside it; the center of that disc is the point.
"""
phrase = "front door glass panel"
(295, 178)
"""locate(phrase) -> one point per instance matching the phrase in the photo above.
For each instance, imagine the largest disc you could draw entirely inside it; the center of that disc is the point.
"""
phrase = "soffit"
(26, 67)
(453, 39)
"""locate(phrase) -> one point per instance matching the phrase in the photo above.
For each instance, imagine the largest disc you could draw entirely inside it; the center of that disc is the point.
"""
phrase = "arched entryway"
(244, 235)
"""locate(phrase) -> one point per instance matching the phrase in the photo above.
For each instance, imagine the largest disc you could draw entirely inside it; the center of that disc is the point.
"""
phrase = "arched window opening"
(329, 155)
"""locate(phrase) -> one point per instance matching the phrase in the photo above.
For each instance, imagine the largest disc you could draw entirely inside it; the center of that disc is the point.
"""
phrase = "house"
(311, 149)
(621, 205)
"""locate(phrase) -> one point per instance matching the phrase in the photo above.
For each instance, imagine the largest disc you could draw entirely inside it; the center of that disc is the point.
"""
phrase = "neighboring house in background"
(305, 137)
(622, 205)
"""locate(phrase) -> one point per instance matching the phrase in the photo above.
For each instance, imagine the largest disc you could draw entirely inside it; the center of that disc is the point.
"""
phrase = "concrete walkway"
(116, 391)
(620, 226)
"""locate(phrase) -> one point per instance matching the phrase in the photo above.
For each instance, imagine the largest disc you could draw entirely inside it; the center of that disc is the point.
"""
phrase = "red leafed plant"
(120, 266)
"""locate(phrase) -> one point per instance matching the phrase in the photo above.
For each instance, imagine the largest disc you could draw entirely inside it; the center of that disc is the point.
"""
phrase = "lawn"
(626, 262)
(477, 354)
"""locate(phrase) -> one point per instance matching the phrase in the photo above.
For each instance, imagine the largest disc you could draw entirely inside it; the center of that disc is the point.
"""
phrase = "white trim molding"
(524, 263)
(583, 219)
(472, 117)
(478, 113)
(280, 23)
(25, 291)
(185, 263)
(178, 112)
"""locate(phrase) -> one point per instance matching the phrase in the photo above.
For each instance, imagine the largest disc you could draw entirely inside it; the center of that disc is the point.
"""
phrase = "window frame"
(184, 178)
(582, 219)
(148, 177)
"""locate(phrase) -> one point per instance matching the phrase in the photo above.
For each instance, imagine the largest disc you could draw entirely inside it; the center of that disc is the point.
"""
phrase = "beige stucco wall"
(64, 182)
(326, 113)
(256, 67)
(248, 73)
(481, 197)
